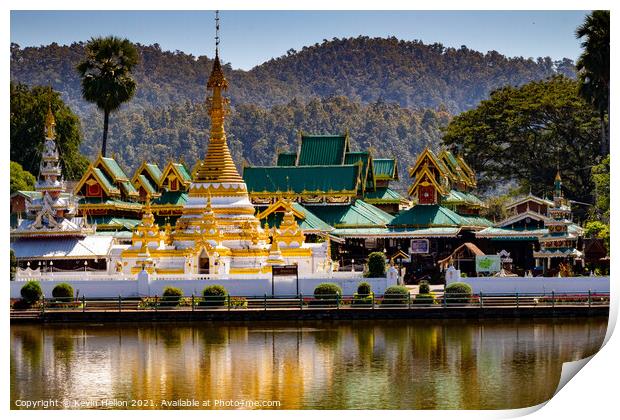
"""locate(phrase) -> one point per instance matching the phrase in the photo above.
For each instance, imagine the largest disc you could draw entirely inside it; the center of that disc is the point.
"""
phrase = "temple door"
(203, 263)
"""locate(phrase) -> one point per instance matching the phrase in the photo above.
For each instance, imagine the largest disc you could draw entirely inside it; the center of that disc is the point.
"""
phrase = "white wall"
(537, 284)
(249, 287)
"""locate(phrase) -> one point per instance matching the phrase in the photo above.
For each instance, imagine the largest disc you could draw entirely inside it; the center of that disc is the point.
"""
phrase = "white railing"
(28, 274)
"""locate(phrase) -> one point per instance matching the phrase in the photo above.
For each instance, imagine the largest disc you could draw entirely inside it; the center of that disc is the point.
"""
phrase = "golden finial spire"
(50, 123)
(218, 165)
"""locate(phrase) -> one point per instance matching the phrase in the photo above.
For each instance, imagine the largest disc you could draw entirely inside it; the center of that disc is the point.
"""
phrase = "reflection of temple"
(52, 237)
(217, 231)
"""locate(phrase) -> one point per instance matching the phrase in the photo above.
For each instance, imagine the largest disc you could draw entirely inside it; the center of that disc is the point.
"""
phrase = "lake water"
(395, 364)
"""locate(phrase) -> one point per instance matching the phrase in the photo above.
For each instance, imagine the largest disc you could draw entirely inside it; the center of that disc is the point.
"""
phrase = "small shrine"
(558, 247)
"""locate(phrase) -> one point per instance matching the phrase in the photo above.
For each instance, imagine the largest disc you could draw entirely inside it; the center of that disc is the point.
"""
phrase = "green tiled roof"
(286, 159)
(428, 216)
(105, 180)
(116, 222)
(352, 158)
(322, 150)
(477, 221)
(183, 171)
(115, 170)
(299, 179)
(358, 214)
(385, 169)
(459, 197)
(511, 234)
(310, 223)
(384, 195)
(99, 200)
(154, 171)
(178, 198)
(150, 189)
(128, 188)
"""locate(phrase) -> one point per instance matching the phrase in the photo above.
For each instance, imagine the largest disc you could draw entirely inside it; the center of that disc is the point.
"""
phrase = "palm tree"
(106, 76)
(593, 66)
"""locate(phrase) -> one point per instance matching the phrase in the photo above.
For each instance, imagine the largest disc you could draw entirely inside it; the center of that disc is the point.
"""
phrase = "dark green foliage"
(400, 95)
(214, 295)
(423, 299)
(28, 109)
(363, 289)
(600, 178)
(458, 292)
(364, 295)
(31, 292)
(171, 296)
(376, 265)
(524, 134)
(13, 265)
(106, 75)
(63, 292)
(394, 295)
(327, 291)
(594, 69)
(425, 287)
(21, 180)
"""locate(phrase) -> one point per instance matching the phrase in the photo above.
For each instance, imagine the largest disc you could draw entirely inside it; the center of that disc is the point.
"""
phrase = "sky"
(249, 38)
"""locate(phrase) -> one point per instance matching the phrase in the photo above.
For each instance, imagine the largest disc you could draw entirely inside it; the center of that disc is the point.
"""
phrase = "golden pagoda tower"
(218, 188)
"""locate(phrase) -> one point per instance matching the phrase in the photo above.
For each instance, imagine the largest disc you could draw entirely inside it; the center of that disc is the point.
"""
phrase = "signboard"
(284, 270)
(419, 246)
(488, 263)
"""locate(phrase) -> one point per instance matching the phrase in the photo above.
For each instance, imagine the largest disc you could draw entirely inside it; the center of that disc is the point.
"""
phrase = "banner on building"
(419, 246)
(488, 263)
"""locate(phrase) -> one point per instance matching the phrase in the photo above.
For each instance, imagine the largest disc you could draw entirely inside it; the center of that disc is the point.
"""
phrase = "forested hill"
(410, 73)
(392, 95)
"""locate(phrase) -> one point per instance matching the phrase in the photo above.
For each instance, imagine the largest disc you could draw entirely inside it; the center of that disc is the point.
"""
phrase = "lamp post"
(352, 265)
(85, 265)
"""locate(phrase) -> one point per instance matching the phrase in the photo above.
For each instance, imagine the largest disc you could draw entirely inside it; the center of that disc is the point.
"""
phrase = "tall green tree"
(524, 134)
(593, 67)
(106, 76)
(21, 180)
(600, 178)
(27, 119)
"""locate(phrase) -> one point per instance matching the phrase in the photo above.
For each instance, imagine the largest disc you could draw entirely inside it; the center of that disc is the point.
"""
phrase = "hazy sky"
(249, 38)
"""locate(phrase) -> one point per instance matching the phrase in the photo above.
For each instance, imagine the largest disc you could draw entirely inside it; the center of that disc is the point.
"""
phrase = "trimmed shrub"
(214, 295)
(424, 299)
(327, 291)
(395, 295)
(458, 292)
(239, 302)
(63, 292)
(31, 292)
(425, 287)
(171, 296)
(362, 300)
(376, 265)
(363, 289)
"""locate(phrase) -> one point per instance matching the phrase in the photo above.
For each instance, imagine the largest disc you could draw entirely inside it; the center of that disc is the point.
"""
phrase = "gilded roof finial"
(50, 122)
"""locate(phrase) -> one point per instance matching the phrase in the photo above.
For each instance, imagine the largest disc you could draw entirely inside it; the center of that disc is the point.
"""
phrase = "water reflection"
(358, 364)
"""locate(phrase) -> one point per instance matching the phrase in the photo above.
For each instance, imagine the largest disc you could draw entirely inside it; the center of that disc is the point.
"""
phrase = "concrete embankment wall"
(224, 315)
(249, 287)
(537, 284)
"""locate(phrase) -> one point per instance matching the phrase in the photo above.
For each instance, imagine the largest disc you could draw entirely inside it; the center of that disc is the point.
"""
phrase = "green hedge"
(327, 291)
(171, 296)
(425, 287)
(394, 295)
(376, 265)
(363, 289)
(214, 295)
(458, 292)
(63, 292)
(31, 292)
(423, 299)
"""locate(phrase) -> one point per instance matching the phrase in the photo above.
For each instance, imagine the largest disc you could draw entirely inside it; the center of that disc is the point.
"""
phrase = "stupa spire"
(218, 165)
